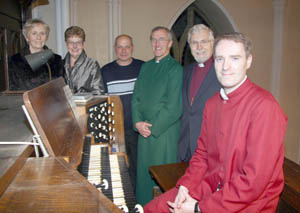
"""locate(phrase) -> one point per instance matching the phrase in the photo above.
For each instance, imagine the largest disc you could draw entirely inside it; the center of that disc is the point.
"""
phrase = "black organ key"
(84, 165)
(112, 168)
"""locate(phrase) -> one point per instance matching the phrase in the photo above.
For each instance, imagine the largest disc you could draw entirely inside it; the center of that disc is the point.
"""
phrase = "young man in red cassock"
(237, 166)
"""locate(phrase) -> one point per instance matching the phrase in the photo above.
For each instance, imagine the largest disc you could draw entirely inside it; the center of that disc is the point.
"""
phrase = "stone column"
(278, 27)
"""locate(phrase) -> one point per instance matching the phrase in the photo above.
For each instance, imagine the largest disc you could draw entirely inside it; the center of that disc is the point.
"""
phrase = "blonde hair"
(33, 22)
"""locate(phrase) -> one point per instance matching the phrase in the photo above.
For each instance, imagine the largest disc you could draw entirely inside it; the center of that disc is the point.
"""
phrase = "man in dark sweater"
(119, 78)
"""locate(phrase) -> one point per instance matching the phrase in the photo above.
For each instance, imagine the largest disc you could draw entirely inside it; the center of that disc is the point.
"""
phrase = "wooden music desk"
(167, 175)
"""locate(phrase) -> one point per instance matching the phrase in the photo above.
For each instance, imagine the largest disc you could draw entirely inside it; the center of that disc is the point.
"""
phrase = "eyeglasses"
(77, 43)
(202, 42)
(161, 40)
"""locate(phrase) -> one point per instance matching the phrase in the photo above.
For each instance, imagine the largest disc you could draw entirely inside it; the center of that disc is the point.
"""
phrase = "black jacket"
(192, 114)
(22, 77)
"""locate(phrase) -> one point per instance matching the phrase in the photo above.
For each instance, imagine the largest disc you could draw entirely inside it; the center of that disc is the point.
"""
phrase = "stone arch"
(213, 14)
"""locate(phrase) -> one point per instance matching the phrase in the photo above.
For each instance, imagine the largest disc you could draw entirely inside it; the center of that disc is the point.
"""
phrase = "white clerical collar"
(201, 65)
(223, 93)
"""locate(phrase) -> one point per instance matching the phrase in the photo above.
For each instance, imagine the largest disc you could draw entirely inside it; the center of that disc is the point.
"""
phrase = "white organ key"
(116, 184)
(95, 176)
(118, 193)
(118, 190)
(94, 180)
(119, 201)
(94, 172)
(115, 178)
(115, 170)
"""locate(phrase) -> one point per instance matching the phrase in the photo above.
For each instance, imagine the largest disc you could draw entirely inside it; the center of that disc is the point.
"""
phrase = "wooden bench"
(167, 175)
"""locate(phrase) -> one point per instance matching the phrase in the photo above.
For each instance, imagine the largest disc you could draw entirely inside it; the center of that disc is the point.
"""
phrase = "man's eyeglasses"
(161, 40)
(202, 42)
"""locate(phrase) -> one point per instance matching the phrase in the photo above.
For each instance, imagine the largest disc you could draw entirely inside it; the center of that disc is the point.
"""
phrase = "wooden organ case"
(53, 183)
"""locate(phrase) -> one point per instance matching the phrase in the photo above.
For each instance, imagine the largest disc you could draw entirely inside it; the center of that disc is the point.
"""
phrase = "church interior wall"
(252, 17)
(290, 79)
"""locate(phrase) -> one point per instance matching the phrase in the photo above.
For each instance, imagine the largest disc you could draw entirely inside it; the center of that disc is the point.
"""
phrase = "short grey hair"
(197, 28)
(31, 23)
(162, 28)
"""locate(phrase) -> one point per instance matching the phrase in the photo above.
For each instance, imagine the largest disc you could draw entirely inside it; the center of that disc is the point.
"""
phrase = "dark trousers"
(131, 142)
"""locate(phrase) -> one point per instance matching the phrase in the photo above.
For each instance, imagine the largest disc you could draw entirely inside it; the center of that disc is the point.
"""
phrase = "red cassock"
(237, 166)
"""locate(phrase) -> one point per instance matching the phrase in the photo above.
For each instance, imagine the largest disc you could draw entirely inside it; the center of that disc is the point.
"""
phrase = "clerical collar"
(206, 63)
(223, 93)
(164, 58)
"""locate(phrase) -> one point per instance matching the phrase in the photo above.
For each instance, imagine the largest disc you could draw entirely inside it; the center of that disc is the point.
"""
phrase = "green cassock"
(157, 99)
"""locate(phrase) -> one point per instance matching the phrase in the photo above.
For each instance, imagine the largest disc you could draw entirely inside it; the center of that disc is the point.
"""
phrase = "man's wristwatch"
(197, 209)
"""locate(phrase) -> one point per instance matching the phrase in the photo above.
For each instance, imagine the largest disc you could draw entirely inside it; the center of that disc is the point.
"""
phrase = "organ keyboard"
(100, 166)
(105, 158)
(62, 132)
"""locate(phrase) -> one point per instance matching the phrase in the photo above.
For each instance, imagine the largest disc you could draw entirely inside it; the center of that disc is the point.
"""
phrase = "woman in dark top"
(21, 75)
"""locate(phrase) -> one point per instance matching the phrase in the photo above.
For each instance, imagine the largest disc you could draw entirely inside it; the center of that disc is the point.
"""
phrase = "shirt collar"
(206, 63)
(223, 93)
(163, 59)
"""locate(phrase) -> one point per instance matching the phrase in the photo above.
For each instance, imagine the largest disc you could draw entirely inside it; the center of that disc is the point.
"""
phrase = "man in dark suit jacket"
(199, 84)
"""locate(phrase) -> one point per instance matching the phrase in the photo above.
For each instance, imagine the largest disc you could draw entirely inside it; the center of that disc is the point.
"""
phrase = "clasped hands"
(143, 128)
(183, 203)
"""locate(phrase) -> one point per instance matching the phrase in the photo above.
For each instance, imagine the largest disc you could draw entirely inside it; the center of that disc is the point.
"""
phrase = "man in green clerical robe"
(156, 111)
